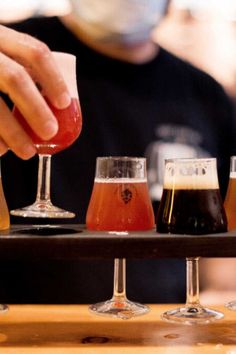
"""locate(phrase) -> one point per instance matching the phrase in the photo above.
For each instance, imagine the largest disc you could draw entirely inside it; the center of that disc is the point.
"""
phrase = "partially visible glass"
(230, 209)
(230, 199)
(4, 223)
(191, 204)
(120, 203)
(4, 212)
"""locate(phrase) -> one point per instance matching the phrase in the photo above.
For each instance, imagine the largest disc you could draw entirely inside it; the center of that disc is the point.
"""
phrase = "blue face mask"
(119, 21)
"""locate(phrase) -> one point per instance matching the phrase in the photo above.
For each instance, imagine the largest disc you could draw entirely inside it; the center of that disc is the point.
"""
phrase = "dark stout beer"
(191, 211)
(191, 202)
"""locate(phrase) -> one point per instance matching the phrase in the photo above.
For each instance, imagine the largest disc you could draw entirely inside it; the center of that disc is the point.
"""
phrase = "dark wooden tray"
(74, 241)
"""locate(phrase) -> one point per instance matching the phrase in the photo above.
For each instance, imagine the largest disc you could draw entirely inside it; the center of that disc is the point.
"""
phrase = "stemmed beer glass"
(230, 199)
(191, 204)
(120, 203)
(230, 209)
(70, 123)
(4, 223)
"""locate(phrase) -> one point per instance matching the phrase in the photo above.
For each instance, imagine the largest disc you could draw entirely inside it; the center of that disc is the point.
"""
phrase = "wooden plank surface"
(72, 329)
(74, 242)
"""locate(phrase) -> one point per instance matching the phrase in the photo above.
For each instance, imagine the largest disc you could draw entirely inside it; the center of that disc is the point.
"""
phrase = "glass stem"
(44, 176)
(192, 278)
(119, 290)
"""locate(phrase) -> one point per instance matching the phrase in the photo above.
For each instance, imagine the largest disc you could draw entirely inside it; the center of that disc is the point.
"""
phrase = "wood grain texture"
(72, 329)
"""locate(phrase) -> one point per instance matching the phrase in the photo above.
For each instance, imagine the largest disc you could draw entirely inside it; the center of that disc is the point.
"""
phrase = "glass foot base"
(192, 315)
(231, 305)
(42, 210)
(119, 309)
(3, 308)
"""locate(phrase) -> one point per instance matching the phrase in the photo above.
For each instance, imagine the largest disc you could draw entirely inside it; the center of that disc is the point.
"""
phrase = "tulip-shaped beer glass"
(191, 204)
(230, 209)
(70, 123)
(120, 203)
(4, 222)
(230, 199)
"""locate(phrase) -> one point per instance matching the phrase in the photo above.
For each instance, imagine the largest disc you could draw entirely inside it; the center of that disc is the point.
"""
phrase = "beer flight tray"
(71, 242)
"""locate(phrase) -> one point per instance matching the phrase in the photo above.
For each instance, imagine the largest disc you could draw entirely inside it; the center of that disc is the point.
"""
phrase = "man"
(137, 99)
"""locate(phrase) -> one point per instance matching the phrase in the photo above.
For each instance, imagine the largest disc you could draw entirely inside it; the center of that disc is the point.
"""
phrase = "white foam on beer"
(232, 175)
(191, 182)
(120, 180)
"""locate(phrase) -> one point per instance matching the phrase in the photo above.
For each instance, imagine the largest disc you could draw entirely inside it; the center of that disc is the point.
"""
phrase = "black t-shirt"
(163, 108)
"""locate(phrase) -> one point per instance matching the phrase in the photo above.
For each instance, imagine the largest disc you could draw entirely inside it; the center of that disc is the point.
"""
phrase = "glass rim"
(191, 159)
(65, 54)
(121, 158)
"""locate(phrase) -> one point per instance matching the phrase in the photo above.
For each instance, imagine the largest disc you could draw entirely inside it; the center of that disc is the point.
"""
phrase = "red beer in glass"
(69, 128)
(69, 124)
(122, 204)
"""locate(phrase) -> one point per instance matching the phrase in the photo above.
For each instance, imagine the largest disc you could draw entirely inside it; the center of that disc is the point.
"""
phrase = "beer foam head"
(120, 180)
(191, 174)
(232, 174)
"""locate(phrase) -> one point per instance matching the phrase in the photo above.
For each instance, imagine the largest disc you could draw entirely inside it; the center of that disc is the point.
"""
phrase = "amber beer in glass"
(230, 209)
(191, 204)
(4, 212)
(230, 199)
(4, 223)
(120, 203)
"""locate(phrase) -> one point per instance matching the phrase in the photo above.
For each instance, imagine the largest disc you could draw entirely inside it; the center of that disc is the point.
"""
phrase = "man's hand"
(25, 60)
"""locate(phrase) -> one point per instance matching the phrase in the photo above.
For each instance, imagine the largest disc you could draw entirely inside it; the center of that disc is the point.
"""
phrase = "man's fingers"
(36, 55)
(25, 62)
(16, 82)
(13, 136)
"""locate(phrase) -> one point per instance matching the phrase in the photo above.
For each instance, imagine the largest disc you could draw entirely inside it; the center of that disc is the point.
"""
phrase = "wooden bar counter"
(70, 329)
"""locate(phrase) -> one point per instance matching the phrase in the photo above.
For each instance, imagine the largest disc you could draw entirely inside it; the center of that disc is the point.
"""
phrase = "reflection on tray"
(46, 230)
